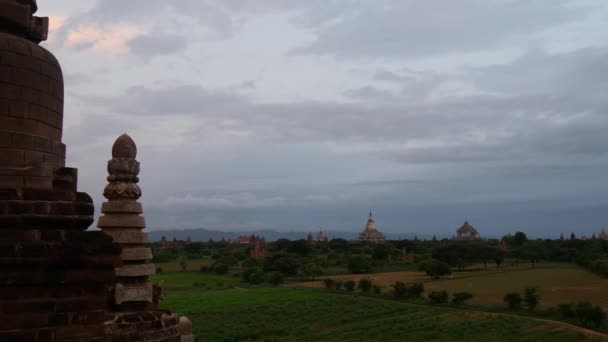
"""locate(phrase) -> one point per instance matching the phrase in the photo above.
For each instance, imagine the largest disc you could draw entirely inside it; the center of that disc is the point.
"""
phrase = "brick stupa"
(58, 282)
(54, 275)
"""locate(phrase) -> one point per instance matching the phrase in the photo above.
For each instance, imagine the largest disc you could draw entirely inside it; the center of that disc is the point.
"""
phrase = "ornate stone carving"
(123, 170)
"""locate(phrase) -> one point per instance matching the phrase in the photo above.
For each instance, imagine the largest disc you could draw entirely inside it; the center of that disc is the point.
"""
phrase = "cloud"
(396, 29)
(153, 44)
(113, 41)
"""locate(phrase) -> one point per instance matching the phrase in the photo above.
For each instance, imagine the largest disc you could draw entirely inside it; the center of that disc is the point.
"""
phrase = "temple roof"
(467, 228)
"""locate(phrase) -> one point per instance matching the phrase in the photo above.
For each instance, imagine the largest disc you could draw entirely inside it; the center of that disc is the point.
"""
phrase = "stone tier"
(152, 325)
(45, 209)
(53, 284)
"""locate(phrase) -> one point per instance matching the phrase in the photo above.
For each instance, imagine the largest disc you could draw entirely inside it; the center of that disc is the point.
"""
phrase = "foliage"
(438, 297)
(276, 278)
(285, 314)
(349, 285)
(377, 289)
(183, 263)
(531, 298)
(338, 285)
(407, 291)
(459, 298)
(365, 285)
(311, 270)
(253, 275)
(285, 263)
(513, 300)
(583, 313)
(435, 268)
(329, 283)
(359, 265)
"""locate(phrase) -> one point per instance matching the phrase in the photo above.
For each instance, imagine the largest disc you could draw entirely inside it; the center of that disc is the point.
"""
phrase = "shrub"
(513, 300)
(183, 263)
(253, 275)
(435, 268)
(159, 270)
(329, 283)
(276, 278)
(409, 291)
(377, 289)
(588, 315)
(459, 298)
(399, 290)
(415, 290)
(438, 297)
(365, 285)
(338, 285)
(349, 286)
(220, 267)
(566, 310)
(531, 297)
(204, 269)
(359, 265)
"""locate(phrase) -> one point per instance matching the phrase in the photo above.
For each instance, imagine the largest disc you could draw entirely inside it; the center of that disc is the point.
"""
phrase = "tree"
(253, 275)
(399, 290)
(183, 263)
(438, 297)
(531, 298)
(382, 251)
(435, 268)
(329, 283)
(349, 285)
(276, 278)
(377, 289)
(588, 315)
(459, 298)
(311, 270)
(338, 285)
(365, 285)
(359, 265)
(519, 239)
(513, 300)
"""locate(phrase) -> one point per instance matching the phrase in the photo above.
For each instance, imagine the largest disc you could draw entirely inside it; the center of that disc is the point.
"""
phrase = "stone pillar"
(53, 274)
(122, 221)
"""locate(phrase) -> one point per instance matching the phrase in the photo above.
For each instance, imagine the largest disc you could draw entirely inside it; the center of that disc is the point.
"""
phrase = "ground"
(224, 309)
(557, 282)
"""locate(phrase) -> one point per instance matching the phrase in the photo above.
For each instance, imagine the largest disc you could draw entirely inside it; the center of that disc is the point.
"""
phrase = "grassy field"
(558, 283)
(225, 310)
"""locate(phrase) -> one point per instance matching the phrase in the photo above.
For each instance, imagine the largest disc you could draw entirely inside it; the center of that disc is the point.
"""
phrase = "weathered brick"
(12, 156)
(9, 91)
(5, 139)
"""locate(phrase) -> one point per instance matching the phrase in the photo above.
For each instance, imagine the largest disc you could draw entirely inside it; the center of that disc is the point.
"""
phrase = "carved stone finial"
(124, 147)
(123, 170)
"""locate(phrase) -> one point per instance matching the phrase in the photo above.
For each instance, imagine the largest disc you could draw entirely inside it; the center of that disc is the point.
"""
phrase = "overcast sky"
(300, 115)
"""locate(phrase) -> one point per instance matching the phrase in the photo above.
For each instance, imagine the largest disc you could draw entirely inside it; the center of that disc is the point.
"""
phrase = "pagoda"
(371, 233)
(467, 232)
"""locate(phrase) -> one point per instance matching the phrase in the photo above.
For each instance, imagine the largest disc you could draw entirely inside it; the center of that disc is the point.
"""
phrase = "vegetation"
(513, 300)
(287, 314)
(435, 268)
(365, 285)
(531, 298)
(459, 298)
(438, 297)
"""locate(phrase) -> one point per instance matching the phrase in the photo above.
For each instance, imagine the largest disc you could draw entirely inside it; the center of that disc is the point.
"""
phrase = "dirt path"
(552, 322)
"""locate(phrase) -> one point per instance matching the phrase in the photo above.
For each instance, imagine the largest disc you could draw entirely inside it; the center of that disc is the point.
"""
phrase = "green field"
(557, 282)
(224, 310)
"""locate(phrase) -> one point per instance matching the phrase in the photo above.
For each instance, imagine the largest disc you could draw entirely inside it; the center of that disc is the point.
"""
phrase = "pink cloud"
(111, 41)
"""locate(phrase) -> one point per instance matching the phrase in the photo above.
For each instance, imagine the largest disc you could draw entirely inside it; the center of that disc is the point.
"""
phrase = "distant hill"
(202, 234)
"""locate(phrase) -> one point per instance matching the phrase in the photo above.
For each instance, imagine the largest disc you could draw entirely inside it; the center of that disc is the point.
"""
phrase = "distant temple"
(321, 237)
(370, 233)
(603, 235)
(467, 232)
(259, 250)
(503, 245)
